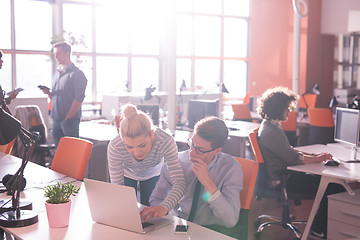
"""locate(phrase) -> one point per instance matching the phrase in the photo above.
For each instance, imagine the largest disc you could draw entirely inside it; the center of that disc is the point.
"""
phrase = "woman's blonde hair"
(134, 122)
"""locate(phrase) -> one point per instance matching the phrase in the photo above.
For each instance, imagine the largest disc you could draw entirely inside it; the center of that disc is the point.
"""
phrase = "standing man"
(219, 175)
(67, 94)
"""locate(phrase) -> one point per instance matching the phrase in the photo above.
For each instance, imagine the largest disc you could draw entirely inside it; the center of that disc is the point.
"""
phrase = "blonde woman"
(136, 156)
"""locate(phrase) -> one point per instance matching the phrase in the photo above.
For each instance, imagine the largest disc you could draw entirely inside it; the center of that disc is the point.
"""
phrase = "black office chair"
(265, 189)
(279, 192)
(32, 120)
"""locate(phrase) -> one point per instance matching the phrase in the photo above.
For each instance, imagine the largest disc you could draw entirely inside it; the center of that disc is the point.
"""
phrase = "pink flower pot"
(58, 214)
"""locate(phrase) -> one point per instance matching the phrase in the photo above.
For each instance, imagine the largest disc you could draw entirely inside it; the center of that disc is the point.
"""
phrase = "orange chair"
(289, 126)
(310, 101)
(250, 171)
(49, 106)
(321, 130)
(247, 98)
(263, 189)
(7, 147)
(72, 156)
(241, 112)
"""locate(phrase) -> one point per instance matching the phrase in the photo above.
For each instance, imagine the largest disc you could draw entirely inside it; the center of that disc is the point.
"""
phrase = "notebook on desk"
(116, 205)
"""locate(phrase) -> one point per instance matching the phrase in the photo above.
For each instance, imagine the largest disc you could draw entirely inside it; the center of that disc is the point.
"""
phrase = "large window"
(27, 61)
(212, 45)
(122, 45)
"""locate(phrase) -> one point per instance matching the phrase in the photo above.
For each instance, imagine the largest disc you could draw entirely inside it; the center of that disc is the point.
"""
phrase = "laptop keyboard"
(146, 224)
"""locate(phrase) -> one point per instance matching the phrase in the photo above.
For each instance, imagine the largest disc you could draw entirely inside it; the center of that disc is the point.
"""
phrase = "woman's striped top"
(164, 150)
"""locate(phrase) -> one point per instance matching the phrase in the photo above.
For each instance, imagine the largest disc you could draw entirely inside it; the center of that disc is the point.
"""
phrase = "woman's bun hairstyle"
(135, 122)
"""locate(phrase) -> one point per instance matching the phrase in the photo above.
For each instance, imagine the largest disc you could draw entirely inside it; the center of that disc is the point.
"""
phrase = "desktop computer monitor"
(200, 108)
(347, 126)
(152, 110)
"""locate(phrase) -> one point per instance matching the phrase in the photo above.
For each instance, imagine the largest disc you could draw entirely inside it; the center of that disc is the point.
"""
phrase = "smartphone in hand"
(42, 87)
(16, 91)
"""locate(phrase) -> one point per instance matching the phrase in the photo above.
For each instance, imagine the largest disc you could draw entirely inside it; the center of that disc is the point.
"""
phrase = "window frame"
(162, 57)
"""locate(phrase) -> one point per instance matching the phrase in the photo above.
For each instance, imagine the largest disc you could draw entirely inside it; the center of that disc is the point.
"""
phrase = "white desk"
(81, 225)
(238, 137)
(343, 174)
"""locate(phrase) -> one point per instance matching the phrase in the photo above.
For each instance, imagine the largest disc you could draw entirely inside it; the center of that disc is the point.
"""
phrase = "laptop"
(116, 206)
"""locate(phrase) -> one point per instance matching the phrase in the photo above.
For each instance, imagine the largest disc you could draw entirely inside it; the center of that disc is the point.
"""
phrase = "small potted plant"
(58, 203)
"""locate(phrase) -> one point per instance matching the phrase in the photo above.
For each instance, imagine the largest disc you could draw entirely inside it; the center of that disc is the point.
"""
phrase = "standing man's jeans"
(62, 128)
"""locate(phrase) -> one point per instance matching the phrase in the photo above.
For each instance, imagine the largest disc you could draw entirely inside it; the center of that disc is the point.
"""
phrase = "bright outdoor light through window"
(31, 15)
(124, 45)
(5, 17)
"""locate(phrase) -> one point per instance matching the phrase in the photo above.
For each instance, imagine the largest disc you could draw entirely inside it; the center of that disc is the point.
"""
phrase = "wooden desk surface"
(241, 125)
(81, 226)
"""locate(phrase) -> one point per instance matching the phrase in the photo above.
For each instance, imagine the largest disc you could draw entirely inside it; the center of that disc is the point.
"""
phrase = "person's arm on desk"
(174, 194)
(161, 191)
(314, 157)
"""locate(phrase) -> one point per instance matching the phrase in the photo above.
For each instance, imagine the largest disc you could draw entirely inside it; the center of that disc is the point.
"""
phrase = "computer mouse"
(331, 163)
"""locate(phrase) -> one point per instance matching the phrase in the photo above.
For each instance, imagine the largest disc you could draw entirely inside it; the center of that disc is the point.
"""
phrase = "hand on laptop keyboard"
(153, 212)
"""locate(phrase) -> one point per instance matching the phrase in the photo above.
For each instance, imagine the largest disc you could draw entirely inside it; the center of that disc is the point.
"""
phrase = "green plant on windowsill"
(60, 192)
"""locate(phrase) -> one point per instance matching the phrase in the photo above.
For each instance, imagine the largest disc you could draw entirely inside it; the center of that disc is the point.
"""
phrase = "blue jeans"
(146, 188)
(62, 128)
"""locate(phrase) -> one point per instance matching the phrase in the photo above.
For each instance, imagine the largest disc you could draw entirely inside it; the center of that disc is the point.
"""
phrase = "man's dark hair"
(274, 101)
(212, 129)
(64, 46)
(1, 54)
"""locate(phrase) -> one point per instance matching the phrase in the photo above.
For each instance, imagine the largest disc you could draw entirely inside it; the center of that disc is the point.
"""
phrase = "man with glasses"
(215, 201)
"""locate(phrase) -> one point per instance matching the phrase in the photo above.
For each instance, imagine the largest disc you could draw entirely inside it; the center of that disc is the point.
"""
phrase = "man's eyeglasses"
(198, 149)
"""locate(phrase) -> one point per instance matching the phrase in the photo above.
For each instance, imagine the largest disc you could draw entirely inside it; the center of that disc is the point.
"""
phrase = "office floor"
(272, 208)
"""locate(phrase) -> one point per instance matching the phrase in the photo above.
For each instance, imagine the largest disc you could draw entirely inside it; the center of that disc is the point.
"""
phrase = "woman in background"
(137, 155)
(274, 107)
